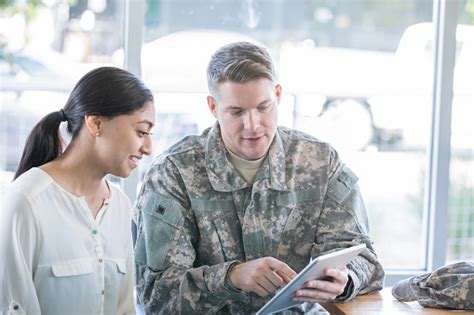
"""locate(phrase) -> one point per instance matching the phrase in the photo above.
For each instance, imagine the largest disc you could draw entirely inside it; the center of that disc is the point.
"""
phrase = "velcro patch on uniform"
(163, 208)
(161, 225)
(341, 184)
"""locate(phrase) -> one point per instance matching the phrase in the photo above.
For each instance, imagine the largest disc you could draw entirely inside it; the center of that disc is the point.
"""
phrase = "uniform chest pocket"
(298, 234)
(160, 228)
(301, 206)
(220, 231)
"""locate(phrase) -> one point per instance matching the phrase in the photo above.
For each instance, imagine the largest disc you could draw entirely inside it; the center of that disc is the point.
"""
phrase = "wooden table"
(384, 303)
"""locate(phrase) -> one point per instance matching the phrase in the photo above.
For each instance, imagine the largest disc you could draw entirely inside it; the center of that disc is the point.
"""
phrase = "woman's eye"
(143, 133)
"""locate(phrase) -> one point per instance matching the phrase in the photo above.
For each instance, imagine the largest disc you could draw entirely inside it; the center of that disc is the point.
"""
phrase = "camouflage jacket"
(195, 217)
(450, 286)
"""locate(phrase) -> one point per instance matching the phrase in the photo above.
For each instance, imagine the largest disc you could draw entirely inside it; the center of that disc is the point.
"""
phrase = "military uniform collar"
(224, 177)
(277, 164)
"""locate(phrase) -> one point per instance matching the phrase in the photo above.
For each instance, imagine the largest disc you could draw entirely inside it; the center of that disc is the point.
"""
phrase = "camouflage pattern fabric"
(196, 217)
(451, 286)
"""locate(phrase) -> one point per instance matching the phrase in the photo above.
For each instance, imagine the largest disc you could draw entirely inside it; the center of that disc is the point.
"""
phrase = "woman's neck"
(76, 171)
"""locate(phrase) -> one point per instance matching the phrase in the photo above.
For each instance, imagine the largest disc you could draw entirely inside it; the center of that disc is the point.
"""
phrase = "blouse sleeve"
(19, 244)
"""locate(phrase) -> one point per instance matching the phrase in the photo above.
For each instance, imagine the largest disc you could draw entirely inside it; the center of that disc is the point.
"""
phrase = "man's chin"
(252, 156)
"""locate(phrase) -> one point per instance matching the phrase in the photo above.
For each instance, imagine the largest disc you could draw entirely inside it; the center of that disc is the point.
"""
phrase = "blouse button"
(94, 231)
(15, 307)
(101, 260)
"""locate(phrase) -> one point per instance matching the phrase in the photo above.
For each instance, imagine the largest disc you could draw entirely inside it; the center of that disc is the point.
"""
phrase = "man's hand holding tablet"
(323, 279)
(325, 289)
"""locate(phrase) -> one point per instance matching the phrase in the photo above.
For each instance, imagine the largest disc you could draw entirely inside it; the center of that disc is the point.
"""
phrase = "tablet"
(314, 270)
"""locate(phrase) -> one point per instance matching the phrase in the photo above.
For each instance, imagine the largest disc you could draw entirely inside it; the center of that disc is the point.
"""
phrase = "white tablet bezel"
(314, 270)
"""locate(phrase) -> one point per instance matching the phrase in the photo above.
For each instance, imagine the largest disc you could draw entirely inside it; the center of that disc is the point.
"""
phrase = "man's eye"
(236, 112)
(264, 107)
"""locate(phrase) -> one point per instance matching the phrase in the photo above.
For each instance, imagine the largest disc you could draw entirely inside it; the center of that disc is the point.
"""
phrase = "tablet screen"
(314, 270)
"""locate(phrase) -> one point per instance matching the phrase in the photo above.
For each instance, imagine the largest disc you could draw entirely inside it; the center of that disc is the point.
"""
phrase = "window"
(358, 74)
(347, 71)
(460, 244)
(45, 47)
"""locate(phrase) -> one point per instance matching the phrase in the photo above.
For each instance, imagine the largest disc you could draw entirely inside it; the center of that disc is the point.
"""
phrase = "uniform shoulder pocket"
(341, 184)
(162, 219)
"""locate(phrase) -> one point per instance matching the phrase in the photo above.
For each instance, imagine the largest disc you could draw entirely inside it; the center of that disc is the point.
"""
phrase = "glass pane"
(45, 47)
(461, 181)
(357, 74)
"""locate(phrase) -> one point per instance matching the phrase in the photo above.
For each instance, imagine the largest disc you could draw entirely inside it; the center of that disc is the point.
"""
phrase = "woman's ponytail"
(43, 144)
(107, 91)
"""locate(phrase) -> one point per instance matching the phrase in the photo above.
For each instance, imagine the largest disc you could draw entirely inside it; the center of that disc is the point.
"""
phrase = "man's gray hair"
(239, 62)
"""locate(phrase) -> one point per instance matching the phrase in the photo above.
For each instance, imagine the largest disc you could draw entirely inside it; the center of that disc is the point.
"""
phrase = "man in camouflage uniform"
(226, 218)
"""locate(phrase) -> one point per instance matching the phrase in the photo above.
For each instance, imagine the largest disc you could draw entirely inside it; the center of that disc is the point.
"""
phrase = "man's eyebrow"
(234, 108)
(264, 102)
(230, 108)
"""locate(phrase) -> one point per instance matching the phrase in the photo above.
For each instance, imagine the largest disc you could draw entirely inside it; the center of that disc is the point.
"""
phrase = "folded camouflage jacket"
(450, 286)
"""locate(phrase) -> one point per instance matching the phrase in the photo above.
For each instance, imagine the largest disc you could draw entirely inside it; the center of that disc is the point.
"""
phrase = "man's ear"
(93, 124)
(278, 91)
(211, 102)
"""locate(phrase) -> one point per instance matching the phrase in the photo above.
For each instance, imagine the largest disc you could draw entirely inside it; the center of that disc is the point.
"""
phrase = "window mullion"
(445, 20)
(133, 39)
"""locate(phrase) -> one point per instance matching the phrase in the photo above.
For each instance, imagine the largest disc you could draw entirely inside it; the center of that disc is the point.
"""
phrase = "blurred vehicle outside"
(30, 88)
(45, 47)
(410, 87)
(332, 86)
(358, 99)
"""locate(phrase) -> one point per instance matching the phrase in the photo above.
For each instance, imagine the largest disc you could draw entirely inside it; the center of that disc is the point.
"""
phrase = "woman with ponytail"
(65, 230)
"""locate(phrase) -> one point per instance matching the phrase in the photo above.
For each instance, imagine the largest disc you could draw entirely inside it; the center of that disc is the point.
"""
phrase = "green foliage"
(29, 9)
(469, 8)
(5, 3)
(461, 217)
(382, 13)
(460, 207)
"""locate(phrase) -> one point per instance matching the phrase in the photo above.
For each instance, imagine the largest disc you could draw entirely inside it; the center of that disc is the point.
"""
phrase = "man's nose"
(252, 121)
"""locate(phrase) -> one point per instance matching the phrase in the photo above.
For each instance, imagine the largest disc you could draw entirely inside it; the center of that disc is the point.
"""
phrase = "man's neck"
(247, 168)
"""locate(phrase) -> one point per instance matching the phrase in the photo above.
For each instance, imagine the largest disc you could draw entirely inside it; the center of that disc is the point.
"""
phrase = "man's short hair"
(239, 62)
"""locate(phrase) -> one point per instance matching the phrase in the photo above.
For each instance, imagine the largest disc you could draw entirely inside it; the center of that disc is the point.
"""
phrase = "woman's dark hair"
(105, 91)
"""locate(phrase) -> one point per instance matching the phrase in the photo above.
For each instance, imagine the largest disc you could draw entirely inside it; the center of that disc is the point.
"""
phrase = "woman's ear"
(93, 124)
